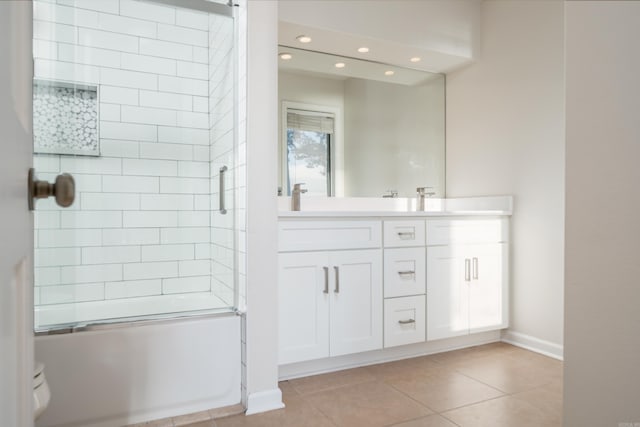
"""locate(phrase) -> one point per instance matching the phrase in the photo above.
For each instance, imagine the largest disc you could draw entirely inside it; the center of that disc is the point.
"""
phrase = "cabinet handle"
(475, 268)
(467, 268)
(406, 322)
(337, 289)
(326, 280)
(406, 234)
(406, 273)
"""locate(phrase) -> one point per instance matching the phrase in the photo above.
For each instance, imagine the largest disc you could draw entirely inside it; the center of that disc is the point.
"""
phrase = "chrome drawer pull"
(406, 234)
(337, 288)
(326, 280)
(404, 273)
(467, 270)
(475, 269)
(406, 322)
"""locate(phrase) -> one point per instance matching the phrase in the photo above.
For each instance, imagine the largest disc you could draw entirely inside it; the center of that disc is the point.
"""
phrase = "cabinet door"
(447, 292)
(488, 288)
(303, 307)
(356, 301)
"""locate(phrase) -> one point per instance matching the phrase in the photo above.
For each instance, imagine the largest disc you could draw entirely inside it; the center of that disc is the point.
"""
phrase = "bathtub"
(120, 374)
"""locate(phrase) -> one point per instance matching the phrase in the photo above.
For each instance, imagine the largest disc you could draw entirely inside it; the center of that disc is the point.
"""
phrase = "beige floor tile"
(512, 374)
(165, 422)
(367, 404)
(444, 391)
(406, 368)
(209, 423)
(434, 420)
(287, 389)
(186, 420)
(502, 412)
(297, 413)
(471, 353)
(317, 383)
(226, 411)
(546, 398)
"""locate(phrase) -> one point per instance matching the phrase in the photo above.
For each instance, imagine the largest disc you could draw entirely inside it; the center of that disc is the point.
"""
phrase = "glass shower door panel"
(137, 101)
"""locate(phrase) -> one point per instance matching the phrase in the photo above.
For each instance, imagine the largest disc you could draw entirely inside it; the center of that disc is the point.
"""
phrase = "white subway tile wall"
(145, 223)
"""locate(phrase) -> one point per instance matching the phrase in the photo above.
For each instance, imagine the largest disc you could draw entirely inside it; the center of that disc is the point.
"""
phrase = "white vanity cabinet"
(330, 301)
(467, 276)
(404, 281)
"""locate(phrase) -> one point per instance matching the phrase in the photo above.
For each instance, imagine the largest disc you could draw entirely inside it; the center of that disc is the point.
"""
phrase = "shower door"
(138, 101)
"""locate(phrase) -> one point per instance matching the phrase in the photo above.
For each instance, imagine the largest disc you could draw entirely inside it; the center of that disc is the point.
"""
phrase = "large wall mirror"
(354, 128)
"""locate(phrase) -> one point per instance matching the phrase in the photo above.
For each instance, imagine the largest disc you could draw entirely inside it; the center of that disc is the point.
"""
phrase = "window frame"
(336, 151)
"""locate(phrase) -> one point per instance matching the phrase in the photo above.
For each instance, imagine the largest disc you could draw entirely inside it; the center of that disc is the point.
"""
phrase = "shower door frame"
(59, 350)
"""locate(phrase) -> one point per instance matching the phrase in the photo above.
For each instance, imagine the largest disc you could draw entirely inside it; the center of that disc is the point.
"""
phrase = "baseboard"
(534, 344)
(264, 401)
(332, 364)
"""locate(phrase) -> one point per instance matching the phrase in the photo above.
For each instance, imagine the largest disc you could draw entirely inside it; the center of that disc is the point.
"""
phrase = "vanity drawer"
(404, 233)
(323, 235)
(454, 231)
(404, 272)
(404, 320)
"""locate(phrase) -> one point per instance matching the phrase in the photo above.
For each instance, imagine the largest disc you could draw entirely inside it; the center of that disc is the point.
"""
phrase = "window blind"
(309, 121)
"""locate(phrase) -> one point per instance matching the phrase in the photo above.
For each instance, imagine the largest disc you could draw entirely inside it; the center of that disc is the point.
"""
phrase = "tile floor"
(491, 385)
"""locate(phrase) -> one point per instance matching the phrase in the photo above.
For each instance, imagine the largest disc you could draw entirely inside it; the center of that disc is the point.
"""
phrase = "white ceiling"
(323, 64)
(443, 33)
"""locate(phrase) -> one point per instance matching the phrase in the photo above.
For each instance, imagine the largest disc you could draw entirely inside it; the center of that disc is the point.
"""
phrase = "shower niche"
(65, 118)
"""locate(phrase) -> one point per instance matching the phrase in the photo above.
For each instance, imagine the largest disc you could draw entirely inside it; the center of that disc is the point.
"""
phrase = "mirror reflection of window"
(309, 148)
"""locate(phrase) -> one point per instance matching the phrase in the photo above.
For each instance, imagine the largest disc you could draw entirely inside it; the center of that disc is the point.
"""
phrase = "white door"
(448, 276)
(486, 295)
(303, 304)
(16, 223)
(356, 301)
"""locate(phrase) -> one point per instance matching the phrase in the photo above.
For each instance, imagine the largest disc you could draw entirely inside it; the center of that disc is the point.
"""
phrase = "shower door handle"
(64, 189)
(223, 209)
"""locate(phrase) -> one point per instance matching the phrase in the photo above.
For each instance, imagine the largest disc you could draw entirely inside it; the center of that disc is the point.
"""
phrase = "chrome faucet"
(422, 193)
(295, 196)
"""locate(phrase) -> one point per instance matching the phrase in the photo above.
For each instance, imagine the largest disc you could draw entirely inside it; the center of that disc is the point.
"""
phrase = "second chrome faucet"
(422, 193)
(295, 196)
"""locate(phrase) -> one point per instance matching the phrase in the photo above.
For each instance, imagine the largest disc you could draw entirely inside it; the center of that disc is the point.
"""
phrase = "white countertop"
(395, 207)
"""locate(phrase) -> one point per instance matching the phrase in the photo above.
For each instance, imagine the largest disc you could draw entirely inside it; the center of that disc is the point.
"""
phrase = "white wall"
(262, 213)
(505, 135)
(602, 320)
(394, 137)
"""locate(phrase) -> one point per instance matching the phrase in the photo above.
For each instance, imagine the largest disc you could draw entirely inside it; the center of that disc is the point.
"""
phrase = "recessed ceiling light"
(389, 73)
(363, 49)
(286, 56)
(303, 39)
(415, 59)
(340, 65)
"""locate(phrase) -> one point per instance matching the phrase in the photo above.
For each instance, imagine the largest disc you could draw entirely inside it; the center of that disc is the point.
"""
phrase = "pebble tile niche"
(65, 119)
